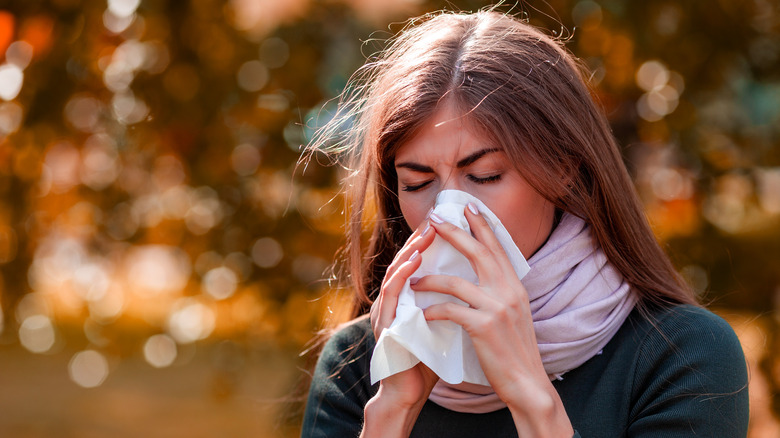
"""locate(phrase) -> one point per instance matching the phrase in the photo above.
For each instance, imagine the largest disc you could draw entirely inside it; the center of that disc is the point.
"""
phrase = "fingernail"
(472, 208)
(413, 281)
(415, 254)
(427, 215)
(426, 230)
(436, 218)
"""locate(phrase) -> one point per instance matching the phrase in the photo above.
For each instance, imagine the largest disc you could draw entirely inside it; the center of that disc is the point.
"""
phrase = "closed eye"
(486, 179)
(414, 188)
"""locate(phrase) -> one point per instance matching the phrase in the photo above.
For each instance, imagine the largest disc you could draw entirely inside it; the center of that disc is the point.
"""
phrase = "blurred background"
(163, 260)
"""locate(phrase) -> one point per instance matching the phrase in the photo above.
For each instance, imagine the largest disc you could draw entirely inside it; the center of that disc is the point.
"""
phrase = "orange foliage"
(674, 218)
(38, 32)
(6, 30)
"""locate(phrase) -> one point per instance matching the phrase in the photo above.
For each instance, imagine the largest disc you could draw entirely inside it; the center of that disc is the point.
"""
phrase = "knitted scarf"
(578, 302)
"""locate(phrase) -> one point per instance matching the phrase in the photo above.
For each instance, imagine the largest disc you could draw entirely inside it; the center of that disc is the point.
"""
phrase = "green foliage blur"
(152, 200)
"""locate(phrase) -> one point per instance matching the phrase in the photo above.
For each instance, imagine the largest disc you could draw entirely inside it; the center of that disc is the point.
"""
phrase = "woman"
(485, 104)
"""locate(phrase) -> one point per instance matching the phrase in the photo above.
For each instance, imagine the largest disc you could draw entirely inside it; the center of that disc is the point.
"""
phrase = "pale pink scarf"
(578, 302)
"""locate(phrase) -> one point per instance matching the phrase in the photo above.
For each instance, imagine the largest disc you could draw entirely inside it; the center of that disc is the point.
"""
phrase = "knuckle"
(439, 311)
(518, 308)
(452, 282)
(514, 301)
(521, 294)
(501, 317)
(482, 325)
(495, 247)
(483, 252)
(449, 310)
(446, 226)
(505, 312)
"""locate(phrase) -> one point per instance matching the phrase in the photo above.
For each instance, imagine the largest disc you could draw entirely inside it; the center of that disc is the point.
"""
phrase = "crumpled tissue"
(443, 346)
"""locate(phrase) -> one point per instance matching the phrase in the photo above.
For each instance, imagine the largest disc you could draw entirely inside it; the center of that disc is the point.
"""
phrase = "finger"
(416, 233)
(457, 287)
(461, 315)
(482, 259)
(419, 241)
(383, 314)
(484, 234)
(374, 312)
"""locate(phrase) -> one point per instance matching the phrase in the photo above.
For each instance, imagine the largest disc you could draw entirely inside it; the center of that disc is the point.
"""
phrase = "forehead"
(447, 135)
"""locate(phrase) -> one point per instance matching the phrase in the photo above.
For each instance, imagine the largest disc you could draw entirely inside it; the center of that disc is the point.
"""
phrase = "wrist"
(387, 415)
(539, 412)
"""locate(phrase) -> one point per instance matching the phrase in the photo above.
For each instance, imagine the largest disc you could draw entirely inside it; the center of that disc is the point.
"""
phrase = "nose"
(451, 183)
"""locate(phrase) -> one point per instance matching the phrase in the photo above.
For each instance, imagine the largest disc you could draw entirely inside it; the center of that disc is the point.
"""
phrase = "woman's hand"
(394, 409)
(500, 324)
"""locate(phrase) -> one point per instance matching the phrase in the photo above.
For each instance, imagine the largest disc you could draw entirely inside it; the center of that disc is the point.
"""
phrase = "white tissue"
(443, 346)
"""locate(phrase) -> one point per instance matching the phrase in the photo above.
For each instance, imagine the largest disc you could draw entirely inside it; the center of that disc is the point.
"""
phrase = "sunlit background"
(163, 259)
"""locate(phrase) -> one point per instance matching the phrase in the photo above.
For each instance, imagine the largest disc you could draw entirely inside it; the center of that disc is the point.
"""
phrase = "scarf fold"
(578, 302)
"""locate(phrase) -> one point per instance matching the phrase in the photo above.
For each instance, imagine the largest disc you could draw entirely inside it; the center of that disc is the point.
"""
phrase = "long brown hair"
(525, 92)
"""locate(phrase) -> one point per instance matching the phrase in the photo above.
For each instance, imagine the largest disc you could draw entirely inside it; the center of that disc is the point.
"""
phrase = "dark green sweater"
(684, 377)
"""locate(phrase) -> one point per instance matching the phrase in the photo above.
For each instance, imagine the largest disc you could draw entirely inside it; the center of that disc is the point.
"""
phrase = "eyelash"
(415, 188)
(485, 180)
(475, 179)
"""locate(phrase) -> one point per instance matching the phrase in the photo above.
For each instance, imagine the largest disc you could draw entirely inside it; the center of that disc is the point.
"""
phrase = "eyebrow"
(460, 164)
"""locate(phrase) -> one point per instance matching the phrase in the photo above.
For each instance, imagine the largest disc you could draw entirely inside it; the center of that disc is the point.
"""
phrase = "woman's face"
(446, 154)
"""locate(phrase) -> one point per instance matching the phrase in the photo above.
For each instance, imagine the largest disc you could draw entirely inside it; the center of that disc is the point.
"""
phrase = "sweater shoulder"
(356, 332)
(690, 336)
(340, 386)
(690, 374)
(350, 345)
(689, 326)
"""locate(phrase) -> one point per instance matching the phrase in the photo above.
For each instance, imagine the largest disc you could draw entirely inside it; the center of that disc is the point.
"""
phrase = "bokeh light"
(157, 270)
(62, 163)
(696, 277)
(11, 79)
(245, 159)
(267, 252)
(274, 102)
(83, 112)
(19, 53)
(652, 75)
(190, 321)
(587, 13)
(252, 76)
(100, 165)
(274, 52)
(117, 24)
(128, 109)
(88, 368)
(37, 333)
(123, 8)
(769, 189)
(160, 351)
(662, 87)
(220, 283)
(108, 307)
(11, 114)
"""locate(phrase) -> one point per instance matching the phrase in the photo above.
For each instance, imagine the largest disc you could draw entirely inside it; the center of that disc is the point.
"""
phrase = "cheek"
(530, 229)
(527, 216)
(414, 208)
